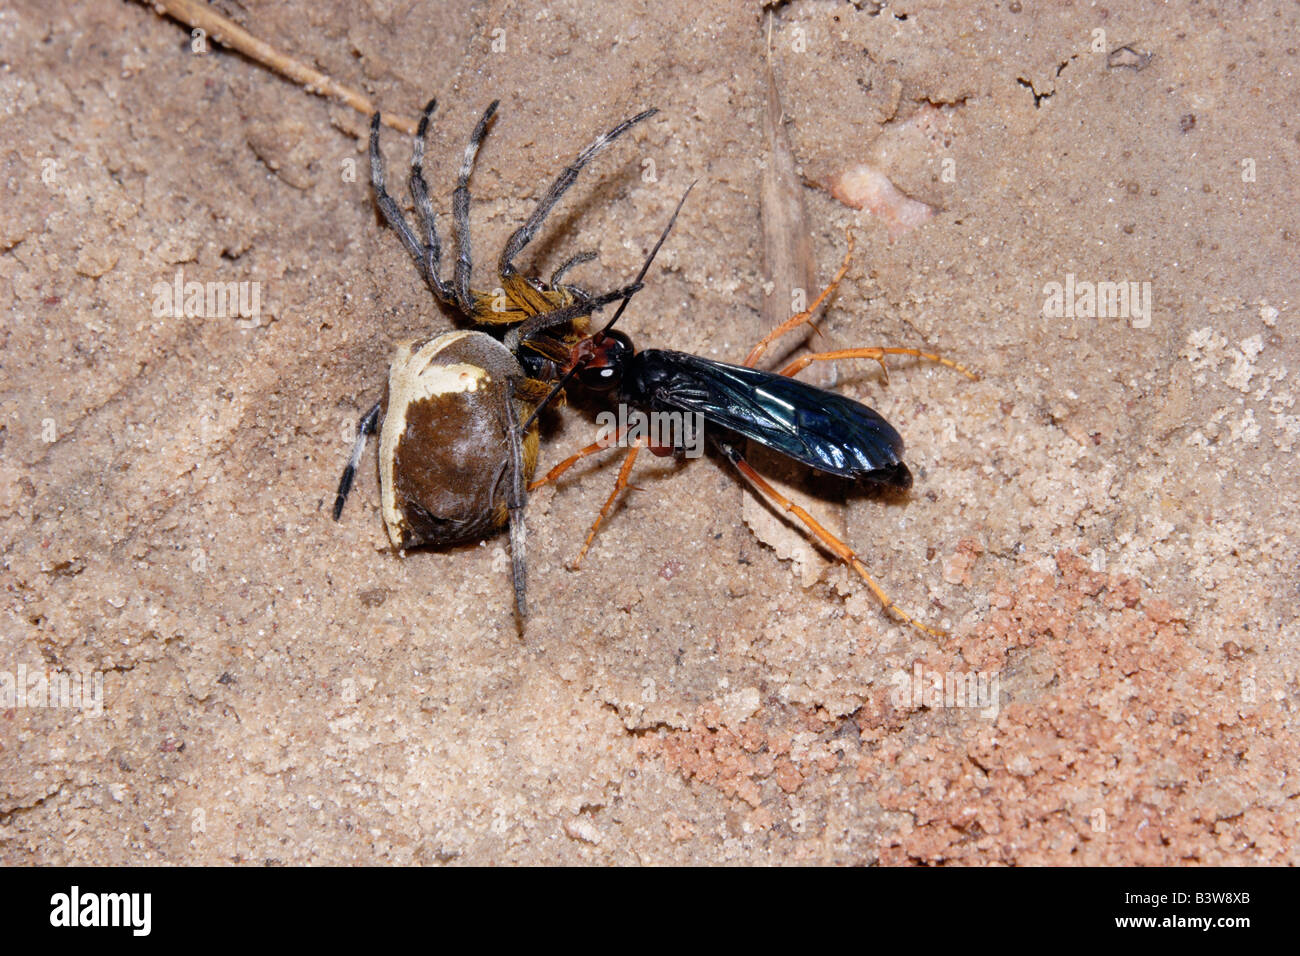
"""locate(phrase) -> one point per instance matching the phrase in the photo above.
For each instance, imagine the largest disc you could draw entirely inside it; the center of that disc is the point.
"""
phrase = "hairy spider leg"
(525, 233)
(515, 499)
(365, 428)
(578, 308)
(460, 209)
(431, 260)
(388, 206)
(574, 260)
(427, 250)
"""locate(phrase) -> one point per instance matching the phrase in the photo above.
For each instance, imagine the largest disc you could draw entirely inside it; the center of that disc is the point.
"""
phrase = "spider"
(454, 460)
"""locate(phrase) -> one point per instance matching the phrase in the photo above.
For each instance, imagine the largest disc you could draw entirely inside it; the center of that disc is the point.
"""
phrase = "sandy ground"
(1103, 521)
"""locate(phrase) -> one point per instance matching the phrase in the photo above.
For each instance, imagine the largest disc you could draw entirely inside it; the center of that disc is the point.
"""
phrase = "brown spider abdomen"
(444, 453)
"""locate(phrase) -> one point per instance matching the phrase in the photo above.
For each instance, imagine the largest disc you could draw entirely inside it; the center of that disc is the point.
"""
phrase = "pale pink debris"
(867, 188)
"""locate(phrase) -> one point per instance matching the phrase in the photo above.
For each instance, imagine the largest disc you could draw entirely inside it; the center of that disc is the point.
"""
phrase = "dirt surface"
(1103, 522)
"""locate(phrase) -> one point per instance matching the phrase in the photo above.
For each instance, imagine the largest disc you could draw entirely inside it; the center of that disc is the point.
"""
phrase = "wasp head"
(601, 360)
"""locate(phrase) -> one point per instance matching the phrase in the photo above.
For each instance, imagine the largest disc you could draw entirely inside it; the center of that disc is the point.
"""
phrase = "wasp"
(829, 432)
(457, 424)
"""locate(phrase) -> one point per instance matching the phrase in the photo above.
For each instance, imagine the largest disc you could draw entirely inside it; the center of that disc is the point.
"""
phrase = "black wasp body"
(824, 430)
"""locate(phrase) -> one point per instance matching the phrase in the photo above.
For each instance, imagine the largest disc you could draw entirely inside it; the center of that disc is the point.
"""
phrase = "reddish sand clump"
(1118, 740)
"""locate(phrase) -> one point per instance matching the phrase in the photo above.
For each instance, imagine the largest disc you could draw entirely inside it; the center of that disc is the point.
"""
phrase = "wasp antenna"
(550, 397)
(649, 259)
(635, 287)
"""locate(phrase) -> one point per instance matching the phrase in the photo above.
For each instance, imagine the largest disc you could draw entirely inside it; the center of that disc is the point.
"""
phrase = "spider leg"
(365, 428)
(840, 549)
(525, 233)
(460, 209)
(431, 258)
(516, 497)
(567, 313)
(387, 205)
(568, 264)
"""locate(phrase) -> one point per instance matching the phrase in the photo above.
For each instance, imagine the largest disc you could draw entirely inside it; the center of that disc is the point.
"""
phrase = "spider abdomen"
(444, 452)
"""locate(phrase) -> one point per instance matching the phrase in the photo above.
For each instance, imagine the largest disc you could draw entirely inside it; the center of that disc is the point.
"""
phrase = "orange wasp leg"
(624, 474)
(842, 550)
(562, 467)
(803, 361)
(792, 323)
(838, 547)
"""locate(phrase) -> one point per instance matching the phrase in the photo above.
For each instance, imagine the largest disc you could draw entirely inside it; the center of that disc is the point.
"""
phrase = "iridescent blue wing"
(822, 429)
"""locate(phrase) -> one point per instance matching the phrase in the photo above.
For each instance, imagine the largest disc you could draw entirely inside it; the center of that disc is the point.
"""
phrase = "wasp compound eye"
(602, 359)
(600, 378)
